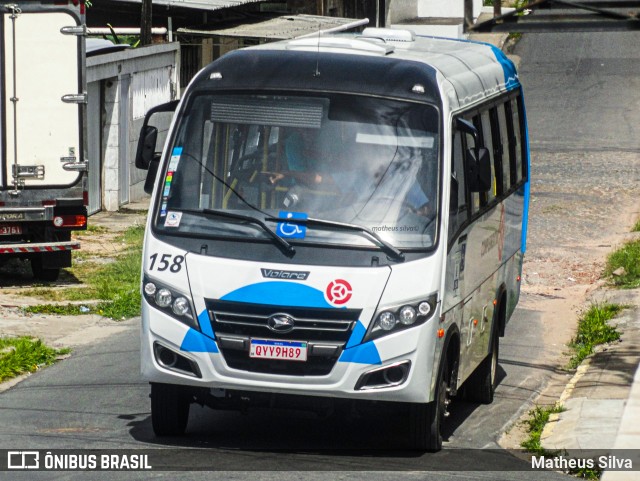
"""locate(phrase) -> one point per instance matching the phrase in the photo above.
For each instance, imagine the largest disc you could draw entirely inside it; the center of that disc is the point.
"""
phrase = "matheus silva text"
(561, 462)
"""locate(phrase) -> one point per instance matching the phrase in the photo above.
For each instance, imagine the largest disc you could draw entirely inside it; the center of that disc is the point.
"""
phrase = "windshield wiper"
(385, 246)
(287, 248)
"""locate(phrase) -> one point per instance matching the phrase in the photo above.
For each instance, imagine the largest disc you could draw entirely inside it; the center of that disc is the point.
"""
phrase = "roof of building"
(196, 4)
(282, 27)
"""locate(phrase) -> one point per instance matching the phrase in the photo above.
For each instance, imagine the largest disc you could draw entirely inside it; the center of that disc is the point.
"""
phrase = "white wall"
(445, 8)
(154, 80)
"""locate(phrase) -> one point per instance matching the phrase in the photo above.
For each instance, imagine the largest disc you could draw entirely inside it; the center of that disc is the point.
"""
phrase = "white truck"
(43, 176)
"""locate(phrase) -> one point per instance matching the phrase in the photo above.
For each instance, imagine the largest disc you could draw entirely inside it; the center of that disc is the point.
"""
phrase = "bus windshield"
(355, 160)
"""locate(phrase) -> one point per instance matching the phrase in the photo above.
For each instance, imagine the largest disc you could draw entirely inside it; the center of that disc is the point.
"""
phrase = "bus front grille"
(326, 331)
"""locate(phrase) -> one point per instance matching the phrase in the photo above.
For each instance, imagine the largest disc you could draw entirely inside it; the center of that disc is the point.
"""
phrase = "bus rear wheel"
(481, 385)
(426, 419)
(169, 409)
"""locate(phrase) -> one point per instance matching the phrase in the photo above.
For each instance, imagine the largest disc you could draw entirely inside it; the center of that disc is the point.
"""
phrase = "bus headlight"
(170, 301)
(163, 297)
(180, 306)
(387, 321)
(408, 315)
(401, 316)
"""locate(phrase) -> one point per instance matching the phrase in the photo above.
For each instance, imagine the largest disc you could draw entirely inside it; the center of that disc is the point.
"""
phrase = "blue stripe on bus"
(366, 353)
(279, 293)
(195, 341)
(205, 324)
(525, 213)
(510, 75)
(357, 335)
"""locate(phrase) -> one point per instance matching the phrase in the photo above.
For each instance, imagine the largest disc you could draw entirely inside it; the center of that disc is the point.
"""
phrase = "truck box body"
(42, 132)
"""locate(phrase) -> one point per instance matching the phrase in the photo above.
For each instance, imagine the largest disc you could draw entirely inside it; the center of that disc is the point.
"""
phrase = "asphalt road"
(582, 94)
(96, 400)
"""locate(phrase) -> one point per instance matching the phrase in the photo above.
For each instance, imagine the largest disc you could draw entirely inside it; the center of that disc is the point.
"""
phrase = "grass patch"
(61, 295)
(94, 229)
(538, 418)
(115, 284)
(60, 309)
(593, 329)
(626, 261)
(636, 227)
(19, 355)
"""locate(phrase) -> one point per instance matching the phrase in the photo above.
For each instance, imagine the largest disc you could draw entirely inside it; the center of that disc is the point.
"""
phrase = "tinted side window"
(504, 147)
(515, 138)
(457, 213)
(487, 139)
(476, 198)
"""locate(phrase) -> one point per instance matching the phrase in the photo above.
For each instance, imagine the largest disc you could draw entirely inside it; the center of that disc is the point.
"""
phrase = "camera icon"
(23, 460)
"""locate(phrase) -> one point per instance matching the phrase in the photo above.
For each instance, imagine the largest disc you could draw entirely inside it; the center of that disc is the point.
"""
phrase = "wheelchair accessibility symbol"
(289, 230)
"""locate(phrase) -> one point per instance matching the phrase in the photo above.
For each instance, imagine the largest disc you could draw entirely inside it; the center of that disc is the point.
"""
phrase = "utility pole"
(497, 8)
(146, 19)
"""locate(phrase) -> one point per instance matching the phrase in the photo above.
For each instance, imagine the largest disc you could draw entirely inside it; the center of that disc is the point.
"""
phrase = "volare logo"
(279, 274)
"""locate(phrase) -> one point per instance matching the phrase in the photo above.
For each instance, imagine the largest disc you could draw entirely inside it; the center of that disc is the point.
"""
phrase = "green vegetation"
(94, 229)
(59, 309)
(636, 228)
(115, 285)
(538, 418)
(623, 265)
(19, 355)
(593, 329)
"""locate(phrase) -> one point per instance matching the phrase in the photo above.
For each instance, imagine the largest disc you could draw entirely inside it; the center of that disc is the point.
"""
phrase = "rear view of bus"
(341, 218)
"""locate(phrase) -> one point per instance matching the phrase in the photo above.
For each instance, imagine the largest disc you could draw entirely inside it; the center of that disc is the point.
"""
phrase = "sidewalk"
(602, 400)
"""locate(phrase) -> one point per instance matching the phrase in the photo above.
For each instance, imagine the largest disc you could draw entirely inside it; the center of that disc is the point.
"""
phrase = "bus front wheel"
(426, 419)
(169, 409)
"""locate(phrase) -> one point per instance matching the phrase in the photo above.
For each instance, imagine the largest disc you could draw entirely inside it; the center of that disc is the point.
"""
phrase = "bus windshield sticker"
(173, 219)
(175, 158)
(289, 230)
(418, 142)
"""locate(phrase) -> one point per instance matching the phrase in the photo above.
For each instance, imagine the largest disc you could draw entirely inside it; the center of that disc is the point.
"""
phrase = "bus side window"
(515, 141)
(498, 152)
(487, 141)
(476, 198)
(504, 147)
(518, 128)
(458, 202)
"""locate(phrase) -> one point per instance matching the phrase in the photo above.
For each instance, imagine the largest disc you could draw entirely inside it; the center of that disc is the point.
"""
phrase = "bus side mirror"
(478, 170)
(146, 146)
(146, 151)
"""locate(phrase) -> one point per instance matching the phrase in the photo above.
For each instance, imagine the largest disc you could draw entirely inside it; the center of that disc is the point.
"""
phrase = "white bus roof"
(468, 71)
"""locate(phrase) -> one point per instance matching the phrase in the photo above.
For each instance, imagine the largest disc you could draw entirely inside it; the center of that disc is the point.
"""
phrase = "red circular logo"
(338, 292)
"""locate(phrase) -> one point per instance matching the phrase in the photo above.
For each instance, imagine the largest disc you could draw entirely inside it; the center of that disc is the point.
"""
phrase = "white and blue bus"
(337, 218)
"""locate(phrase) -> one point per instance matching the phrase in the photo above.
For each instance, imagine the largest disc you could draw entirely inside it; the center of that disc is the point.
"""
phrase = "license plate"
(10, 229)
(276, 349)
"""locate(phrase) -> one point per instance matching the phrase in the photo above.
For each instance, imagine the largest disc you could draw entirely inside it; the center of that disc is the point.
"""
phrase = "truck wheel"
(42, 274)
(427, 418)
(169, 409)
(482, 384)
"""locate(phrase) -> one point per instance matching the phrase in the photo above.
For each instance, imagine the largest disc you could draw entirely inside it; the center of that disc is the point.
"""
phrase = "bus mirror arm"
(152, 172)
(453, 196)
(146, 150)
